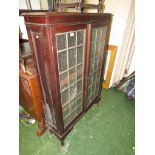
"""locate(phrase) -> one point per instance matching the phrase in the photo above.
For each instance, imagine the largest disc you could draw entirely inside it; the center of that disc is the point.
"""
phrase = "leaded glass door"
(97, 42)
(70, 48)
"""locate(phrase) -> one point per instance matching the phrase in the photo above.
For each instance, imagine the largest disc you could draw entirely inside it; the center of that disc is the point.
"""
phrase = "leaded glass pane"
(104, 30)
(99, 33)
(90, 79)
(88, 100)
(79, 37)
(89, 91)
(79, 72)
(93, 87)
(73, 114)
(95, 76)
(67, 120)
(73, 91)
(79, 99)
(63, 80)
(99, 62)
(92, 50)
(72, 75)
(71, 39)
(73, 104)
(102, 46)
(97, 88)
(72, 57)
(91, 66)
(79, 109)
(62, 60)
(64, 96)
(97, 51)
(79, 54)
(66, 110)
(61, 41)
(79, 86)
(96, 61)
(93, 36)
(93, 96)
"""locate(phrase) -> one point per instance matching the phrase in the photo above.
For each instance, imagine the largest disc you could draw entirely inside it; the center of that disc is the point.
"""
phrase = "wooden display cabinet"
(30, 97)
(69, 50)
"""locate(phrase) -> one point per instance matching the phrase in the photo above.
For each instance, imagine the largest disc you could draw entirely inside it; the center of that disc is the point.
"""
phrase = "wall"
(23, 27)
(36, 5)
(120, 9)
(126, 46)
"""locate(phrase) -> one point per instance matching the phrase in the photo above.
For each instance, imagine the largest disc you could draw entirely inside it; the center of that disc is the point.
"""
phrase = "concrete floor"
(107, 129)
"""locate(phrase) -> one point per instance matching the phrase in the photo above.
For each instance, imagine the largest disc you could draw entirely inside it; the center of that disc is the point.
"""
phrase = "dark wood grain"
(32, 101)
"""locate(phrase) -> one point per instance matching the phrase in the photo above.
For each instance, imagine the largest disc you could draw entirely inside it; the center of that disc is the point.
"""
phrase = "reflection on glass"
(64, 96)
(73, 91)
(79, 72)
(79, 54)
(62, 59)
(63, 80)
(61, 41)
(72, 57)
(72, 75)
(80, 38)
(71, 39)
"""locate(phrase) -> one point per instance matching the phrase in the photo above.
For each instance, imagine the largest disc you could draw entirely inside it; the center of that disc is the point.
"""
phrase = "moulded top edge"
(63, 14)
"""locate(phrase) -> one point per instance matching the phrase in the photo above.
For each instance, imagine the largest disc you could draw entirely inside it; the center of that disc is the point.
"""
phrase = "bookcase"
(68, 50)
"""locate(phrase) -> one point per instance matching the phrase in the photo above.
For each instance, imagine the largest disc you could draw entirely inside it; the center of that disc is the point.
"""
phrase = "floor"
(107, 129)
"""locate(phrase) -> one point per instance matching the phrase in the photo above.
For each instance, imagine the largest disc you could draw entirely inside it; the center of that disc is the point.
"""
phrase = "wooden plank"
(113, 50)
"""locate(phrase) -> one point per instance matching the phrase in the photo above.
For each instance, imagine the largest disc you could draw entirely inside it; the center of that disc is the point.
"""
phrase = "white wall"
(36, 5)
(120, 9)
(23, 27)
(22, 4)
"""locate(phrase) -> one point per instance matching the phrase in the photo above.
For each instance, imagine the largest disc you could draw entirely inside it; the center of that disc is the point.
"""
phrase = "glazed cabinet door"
(97, 44)
(70, 50)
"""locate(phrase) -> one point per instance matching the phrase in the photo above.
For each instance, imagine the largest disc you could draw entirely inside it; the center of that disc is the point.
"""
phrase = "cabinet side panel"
(38, 41)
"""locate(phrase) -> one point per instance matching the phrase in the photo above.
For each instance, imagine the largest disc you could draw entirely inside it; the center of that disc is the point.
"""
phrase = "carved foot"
(41, 129)
(62, 143)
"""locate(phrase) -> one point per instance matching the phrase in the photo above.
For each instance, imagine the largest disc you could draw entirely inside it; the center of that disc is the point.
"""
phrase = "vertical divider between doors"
(86, 65)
